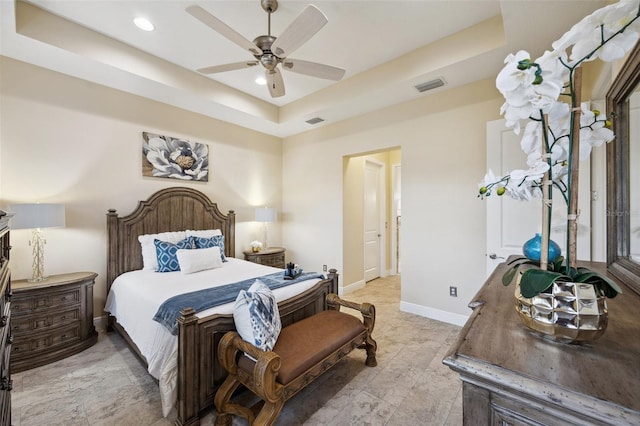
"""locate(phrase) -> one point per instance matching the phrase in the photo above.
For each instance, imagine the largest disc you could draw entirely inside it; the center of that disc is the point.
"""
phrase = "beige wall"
(65, 140)
(442, 139)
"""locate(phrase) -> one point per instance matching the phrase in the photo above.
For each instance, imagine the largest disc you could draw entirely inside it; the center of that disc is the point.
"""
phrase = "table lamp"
(265, 215)
(35, 217)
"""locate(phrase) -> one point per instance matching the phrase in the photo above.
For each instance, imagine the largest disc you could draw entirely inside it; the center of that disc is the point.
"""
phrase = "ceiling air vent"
(429, 85)
(315, 120)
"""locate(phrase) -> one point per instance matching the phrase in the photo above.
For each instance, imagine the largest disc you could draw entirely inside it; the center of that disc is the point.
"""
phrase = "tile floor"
(107, 385)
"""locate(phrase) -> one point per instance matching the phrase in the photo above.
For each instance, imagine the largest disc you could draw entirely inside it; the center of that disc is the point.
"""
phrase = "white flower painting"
(169, 157)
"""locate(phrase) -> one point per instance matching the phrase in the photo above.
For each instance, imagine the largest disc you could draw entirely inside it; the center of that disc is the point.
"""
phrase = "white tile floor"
(107, 385)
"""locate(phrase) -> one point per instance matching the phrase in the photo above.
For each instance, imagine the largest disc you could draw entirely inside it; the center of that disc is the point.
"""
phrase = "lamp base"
(37, 243)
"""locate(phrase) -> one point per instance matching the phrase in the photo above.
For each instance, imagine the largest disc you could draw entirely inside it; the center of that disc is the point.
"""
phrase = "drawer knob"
(64, 337)
(63, 317)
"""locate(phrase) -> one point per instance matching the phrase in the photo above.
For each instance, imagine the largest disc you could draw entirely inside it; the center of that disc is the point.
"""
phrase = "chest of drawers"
(5, 322)
(52, 319)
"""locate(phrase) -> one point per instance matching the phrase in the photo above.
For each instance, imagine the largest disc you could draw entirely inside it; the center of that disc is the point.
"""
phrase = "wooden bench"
(304, 351)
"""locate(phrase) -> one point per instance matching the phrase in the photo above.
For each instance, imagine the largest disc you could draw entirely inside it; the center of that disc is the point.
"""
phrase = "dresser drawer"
(44, 341)
(22, 305)
(21, 324)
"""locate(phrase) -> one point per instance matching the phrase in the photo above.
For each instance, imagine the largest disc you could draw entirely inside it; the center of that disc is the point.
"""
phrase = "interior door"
(510, 223)
(372, 229)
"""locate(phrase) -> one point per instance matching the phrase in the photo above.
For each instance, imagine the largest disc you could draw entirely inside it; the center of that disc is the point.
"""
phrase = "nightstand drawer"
(23, 305)
(276, 260)
(272, 256)
(44, 341)
(27, 323)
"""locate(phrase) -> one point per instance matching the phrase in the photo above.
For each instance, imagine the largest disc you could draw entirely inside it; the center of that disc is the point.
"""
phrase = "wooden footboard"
(199, 371)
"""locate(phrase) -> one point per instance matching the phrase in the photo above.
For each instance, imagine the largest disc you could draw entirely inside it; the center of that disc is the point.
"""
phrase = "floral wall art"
(169, 157)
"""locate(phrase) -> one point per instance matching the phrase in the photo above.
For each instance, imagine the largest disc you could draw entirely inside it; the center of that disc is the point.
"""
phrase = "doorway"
(371, 204)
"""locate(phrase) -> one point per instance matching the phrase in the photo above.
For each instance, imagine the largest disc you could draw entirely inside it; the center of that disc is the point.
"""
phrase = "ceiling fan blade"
(313, 69)
(223, 29)
(228, 67)
(275, 83)
(309, 22)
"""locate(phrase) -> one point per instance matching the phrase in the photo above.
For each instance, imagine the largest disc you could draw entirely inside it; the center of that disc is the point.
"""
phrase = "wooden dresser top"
(496, 344)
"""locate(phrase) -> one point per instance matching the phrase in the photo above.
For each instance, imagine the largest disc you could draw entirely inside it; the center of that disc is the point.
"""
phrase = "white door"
(372, 215)
(511, 223)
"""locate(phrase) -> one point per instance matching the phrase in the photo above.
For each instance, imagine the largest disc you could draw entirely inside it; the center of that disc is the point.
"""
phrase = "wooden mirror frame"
(618, 207)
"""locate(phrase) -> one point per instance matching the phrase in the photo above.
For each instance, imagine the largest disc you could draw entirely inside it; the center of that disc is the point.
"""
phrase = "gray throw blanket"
(201, 300)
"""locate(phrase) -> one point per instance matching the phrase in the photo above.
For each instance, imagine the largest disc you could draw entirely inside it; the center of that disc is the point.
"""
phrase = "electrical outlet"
(324, 268)
(453, 291)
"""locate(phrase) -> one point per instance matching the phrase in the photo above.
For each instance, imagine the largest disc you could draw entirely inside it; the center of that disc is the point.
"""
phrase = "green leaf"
(557, 264)
(507, 278)
(535, 281)
(605, 284)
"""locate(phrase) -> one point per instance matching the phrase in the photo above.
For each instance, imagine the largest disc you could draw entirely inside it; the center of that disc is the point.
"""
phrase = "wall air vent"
(315, 120)
(429, 85)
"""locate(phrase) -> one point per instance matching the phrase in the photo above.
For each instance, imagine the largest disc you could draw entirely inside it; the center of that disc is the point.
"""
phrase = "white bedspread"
(135, 297)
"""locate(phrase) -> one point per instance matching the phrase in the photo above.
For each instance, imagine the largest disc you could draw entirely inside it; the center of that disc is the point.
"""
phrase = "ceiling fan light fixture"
(144, 24)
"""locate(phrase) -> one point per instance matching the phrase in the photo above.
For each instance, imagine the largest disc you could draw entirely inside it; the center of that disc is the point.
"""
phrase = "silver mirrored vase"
(569, 313)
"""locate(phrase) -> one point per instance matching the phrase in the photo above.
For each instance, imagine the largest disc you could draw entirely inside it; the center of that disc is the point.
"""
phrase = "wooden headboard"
(170, 209)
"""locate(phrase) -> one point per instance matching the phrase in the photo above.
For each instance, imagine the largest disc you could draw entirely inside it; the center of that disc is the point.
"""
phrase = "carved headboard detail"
(170, 209)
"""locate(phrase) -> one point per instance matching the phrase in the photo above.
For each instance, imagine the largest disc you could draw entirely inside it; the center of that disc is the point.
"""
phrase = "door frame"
(396, 175)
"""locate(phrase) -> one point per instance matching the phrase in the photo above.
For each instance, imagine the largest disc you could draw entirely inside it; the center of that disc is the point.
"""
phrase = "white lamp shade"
(265, 214)
(29, 216)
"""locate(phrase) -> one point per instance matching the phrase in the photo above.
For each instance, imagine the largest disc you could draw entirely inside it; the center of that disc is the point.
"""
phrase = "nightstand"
(272, 256)
(51, 319)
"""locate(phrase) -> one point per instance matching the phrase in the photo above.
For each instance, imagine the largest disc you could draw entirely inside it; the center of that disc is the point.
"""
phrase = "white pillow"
(149, 255)
(207, 233)
(256, 316)
(191, 261)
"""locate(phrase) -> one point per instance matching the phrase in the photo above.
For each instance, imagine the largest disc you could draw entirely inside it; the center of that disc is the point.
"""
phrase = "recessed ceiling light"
(144, 24)
(261, 81)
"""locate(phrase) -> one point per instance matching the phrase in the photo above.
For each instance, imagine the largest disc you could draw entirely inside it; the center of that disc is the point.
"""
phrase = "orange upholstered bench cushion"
(305, 343)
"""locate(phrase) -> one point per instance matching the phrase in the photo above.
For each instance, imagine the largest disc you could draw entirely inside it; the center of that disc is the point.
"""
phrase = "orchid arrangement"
(560, 130)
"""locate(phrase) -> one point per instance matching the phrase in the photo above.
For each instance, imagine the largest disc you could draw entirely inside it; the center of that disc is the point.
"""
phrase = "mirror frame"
(618, 208)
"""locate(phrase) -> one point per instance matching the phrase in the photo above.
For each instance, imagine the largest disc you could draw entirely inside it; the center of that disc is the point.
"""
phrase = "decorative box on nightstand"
(272, 256)
(51, 319)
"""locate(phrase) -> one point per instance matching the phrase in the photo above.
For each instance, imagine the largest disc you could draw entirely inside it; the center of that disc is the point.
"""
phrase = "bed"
(198, 373)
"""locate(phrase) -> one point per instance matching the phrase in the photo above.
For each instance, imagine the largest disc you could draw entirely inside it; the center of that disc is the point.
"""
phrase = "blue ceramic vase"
(532, 248)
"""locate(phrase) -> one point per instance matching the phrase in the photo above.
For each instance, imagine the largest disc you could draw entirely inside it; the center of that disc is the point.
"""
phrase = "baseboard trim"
(351, 287)
(100, 323)
(432, 313)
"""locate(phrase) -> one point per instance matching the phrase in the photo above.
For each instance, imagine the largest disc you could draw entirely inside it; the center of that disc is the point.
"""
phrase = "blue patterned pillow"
(166, 252)
(257, 317)
(215, 241)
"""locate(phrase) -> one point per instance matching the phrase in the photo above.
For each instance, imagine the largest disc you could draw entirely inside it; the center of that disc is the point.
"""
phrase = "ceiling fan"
(270, 50)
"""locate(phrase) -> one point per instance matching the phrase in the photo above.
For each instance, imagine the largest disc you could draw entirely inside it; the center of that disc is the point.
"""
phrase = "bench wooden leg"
(270, 410)
(370, 346)
(224, 408)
